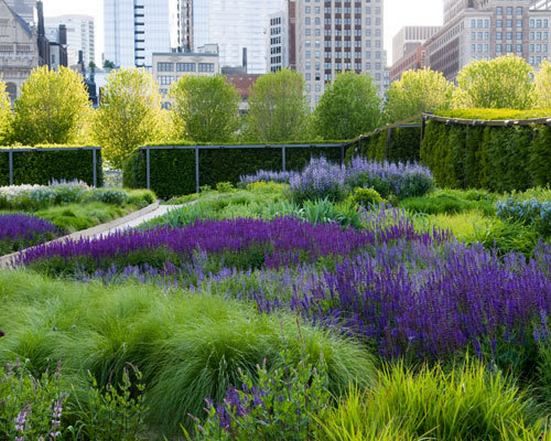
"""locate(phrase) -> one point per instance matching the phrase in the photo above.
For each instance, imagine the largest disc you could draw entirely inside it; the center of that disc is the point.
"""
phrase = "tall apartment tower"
(134, 29)
(238, 27)
(278, 41)
(80, 36)
(335, 36)
(185, 25)
(409, 38)
(485, 29)
(23, 8)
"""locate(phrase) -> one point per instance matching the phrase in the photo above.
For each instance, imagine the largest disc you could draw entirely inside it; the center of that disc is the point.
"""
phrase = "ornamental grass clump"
(531, 212)
(282, 177)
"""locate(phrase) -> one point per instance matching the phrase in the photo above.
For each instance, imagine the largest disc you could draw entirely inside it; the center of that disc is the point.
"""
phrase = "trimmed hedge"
(42, 165)
(173, 170)
(404, 145)
(499, 159)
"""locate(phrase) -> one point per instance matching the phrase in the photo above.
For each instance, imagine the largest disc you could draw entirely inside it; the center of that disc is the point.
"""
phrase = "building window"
(186, 67)
(165, 80)
(206, 67)
(165, 67)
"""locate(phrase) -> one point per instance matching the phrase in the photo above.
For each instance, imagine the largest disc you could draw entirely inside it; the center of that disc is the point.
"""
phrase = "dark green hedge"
(496, 158)
(404, 145)
(173, 170)
(41, 166)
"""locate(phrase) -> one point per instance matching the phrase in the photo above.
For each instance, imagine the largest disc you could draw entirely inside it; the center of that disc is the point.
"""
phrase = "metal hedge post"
(148, 168)
(10, 162)
(94, 167)
(197, 175)
(283, 158)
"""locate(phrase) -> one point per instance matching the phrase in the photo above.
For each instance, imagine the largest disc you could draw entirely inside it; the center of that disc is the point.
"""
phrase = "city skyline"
(398, 13)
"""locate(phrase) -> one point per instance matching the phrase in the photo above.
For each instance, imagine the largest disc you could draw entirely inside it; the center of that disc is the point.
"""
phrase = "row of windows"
(538, 36)
(536, 61)
(329, 66)
(509, 10)
(185, 67)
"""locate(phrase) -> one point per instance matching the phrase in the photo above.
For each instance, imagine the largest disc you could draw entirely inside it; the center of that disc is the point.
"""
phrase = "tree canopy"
(207, 108)
(349, 107)
(543, 85)
(417, 92)
(5, 113)
(53, 108)
(129, 115)
(504, 82)
(278, 109)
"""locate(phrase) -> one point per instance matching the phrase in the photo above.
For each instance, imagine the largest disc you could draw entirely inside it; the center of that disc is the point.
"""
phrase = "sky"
(398, 13)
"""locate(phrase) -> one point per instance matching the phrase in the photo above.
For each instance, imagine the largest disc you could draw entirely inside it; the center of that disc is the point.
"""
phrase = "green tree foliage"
(504, 82)
(278, 110)
(543, 85)
(349, 107)
(417, 92)
(53, 108)
(129, 115)
(5, 113)
(207, 108)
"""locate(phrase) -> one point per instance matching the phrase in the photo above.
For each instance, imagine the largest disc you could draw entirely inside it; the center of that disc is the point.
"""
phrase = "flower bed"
(19, 231)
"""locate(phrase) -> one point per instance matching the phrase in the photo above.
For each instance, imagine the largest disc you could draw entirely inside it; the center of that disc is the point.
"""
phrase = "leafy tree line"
(53, 107)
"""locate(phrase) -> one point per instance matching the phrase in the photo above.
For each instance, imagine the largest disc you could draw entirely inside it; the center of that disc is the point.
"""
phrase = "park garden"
(368, 271)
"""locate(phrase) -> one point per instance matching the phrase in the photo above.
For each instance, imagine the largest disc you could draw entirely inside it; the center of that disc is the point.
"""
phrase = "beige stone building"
(18, 50)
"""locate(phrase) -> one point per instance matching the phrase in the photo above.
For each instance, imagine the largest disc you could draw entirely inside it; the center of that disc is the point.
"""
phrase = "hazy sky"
(398, 13)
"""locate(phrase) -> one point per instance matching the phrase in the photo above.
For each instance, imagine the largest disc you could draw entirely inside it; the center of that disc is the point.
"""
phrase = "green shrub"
(173, 170)
(188, 347)
(141, 198)
(450, 202)
(109, 196)
(499, 159)
(366, 197)
(507, 237)
(41, 166)
(468, 403)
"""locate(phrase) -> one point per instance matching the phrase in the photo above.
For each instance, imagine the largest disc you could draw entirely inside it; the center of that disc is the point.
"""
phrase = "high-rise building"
(80, 36)
(335, 37)
(410, 38)
(237, 27)
(185, 25)
(277, 36)
(18, 50)
(485, 29)
(24, 9)
(134, 29)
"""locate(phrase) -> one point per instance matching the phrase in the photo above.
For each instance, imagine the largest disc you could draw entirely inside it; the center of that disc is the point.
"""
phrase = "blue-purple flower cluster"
(282, 177)
(18, 231)
(320, 179)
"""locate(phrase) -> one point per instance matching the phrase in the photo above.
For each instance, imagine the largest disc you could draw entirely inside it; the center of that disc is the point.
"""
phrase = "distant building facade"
(277, 36)
(243, 83)
(80, 36)
(24, 8)
(409, 38)
(185, 25)
(135, 29)
(335, 37)
(238, 27)
(18, 50)
(169, 67)
(485, 29)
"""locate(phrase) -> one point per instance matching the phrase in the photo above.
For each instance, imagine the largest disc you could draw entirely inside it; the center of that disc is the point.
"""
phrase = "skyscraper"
(134, 29)
(238, 27)
(485, 29)
(80, 36)
(339, 36)
(23, 8)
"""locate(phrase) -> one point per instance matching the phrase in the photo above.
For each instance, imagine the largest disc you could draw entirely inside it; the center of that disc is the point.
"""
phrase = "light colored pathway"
(132, 220)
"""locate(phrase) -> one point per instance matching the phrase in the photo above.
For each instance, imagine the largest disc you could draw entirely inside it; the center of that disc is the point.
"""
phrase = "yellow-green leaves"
(129, 116)
(543, 85)
(5, 113)
(53, 108)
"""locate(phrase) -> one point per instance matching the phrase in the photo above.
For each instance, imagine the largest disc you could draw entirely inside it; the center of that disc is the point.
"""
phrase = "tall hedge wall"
(42, 165)
(173, 170)
(496, 158)
(403, 145)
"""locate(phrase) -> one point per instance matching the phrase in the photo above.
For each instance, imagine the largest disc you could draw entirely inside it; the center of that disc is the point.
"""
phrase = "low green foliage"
(188, 347)
(451, 202)
(496, 114)
(366, 197)
(466, 403)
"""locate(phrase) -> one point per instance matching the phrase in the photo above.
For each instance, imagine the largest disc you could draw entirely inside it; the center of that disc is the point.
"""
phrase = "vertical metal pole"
(283, 158)
(388, 144)
(94, 168)
(10, 162)
(423, 127)
(197, 176)
(342, 155)
(148, 168)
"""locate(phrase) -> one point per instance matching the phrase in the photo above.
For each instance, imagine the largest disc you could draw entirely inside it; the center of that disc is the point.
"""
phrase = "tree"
(5, 114)
(107, 64)
(543, 85)
(129, 115)
(417, 92)
(207, 108)
(53, 108)
(277, 107)
(503, 82)
(349, 107)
